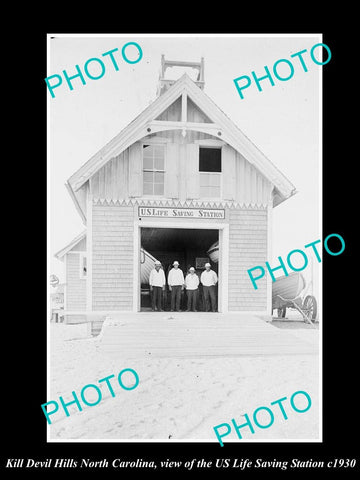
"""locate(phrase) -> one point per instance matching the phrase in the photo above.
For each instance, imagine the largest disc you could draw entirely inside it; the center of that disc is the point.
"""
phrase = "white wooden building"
(180, 177)
(74, 256)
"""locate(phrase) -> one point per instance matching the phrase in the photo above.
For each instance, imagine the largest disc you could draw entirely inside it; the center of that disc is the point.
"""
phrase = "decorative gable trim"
(221, 128)
(175, 203)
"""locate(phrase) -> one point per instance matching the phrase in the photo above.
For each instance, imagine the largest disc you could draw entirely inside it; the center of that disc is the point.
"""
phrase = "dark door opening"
(190, 247)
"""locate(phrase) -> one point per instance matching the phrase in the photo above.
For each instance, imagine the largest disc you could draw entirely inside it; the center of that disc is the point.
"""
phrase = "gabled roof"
(61, 253)
(222, 128)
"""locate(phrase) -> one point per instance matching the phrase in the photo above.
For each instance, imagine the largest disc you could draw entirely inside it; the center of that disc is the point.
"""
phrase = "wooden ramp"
(197, 335)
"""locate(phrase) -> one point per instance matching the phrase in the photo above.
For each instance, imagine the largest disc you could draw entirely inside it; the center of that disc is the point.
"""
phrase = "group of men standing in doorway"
(177, 283)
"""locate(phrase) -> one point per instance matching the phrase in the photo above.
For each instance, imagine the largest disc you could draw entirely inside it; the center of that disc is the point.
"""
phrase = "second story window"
(153, 169)
(210, 172)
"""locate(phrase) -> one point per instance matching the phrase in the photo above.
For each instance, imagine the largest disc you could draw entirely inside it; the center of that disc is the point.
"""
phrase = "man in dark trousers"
(176, 286)
(191, 285)
(209, 280)
(157, 286)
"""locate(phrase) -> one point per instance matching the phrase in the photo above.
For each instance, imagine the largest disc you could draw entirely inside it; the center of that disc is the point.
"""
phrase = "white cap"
(176, 262)
(157, 262)
(207, 265)
(192, 268)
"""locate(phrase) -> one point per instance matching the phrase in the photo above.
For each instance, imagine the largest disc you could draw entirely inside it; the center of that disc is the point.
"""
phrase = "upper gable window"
(153, 169)
(210, 172)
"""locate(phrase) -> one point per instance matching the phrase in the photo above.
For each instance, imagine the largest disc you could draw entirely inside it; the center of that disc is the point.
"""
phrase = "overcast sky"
(283, 120)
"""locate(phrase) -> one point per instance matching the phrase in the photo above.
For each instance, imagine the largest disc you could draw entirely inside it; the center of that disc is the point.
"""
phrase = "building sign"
(165, 212)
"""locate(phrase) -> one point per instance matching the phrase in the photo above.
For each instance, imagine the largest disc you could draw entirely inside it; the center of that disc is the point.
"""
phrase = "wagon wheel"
(310, 306)
(281, 312)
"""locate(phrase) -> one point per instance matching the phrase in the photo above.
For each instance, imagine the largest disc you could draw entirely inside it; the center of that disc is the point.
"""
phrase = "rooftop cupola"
(187, 67)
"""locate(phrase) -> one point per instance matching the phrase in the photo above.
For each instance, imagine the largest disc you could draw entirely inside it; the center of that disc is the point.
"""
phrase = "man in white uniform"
(209, 280)
(157, 286)
(176, 285)
(191, 285)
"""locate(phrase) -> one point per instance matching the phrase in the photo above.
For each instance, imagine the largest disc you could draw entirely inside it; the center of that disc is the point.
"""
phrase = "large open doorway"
(190, 247)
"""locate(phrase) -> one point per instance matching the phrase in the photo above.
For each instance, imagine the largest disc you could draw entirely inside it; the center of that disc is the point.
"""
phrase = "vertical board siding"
(172, 113)
(229, 169)
(247, 249)
(195, 114)
(112, 270)
(172, 170)
(252, 188)
(135, 170)
(192, 178)
(111, 181)
(121, 177)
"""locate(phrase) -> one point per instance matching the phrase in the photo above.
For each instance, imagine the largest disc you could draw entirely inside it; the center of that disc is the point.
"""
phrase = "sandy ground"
(180, 399)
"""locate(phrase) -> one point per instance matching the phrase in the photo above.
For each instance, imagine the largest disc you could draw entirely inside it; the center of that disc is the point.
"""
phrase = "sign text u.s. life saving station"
(182, 212)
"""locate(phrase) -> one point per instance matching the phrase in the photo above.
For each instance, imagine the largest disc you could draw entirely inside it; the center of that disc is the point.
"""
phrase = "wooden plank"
(192, 171)
(184, 107)
(135, 170)
(228, 173)
(172, 170)
(198, 336)
(240, 193)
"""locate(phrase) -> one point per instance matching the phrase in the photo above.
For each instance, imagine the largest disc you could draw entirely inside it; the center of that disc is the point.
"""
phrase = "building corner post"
(269, 253)
(89, 253)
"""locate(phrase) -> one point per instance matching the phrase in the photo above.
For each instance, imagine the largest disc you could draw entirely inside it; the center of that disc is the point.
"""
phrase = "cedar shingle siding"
(247, 249)
(75, 287)
(112, 280)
